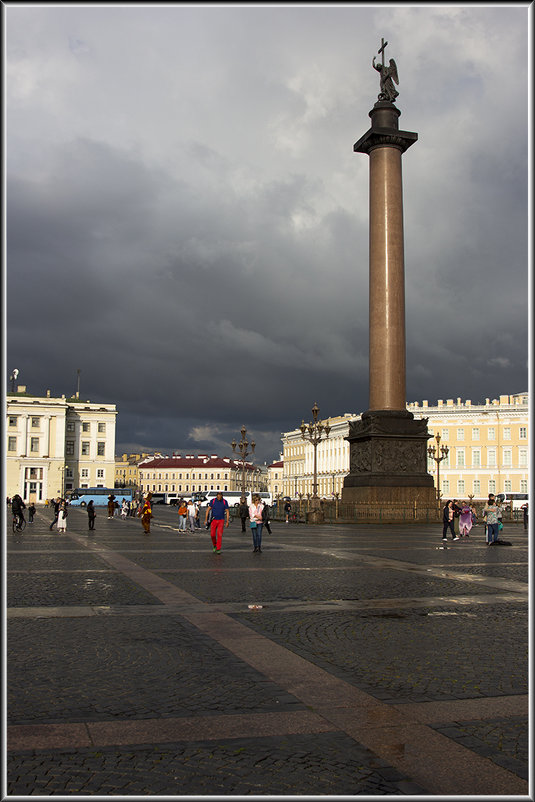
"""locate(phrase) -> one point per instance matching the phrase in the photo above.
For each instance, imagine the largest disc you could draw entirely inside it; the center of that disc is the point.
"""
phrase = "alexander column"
(388, 448)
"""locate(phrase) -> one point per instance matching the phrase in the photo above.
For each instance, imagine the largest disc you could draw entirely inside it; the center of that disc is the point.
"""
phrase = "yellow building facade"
(127, 470)
(488, 445)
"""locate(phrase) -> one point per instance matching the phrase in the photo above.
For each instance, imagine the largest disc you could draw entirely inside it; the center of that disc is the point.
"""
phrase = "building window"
(85, 427)
(476, 458)
(35, 423)
(523, 433)
(507, 486)
(523, 457)
(445, 434)
(11, 443)
(12, 420)
(101, 449)
(507, 433)
(491, 458)
(492, 433)
(85, 448)
(460, 487)
(523, 485)
(100, 473)
(475, 434)
(460, 457)
(460, 434)
(85, 473)
(492, 485)
(477, 487)
(70, 426)
(445, 487)
(507, 458)
(34, 444)
(101, 428)
(69, 448)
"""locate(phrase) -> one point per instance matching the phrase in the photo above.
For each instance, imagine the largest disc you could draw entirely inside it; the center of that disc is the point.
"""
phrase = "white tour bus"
(233, 497)
(513, 500)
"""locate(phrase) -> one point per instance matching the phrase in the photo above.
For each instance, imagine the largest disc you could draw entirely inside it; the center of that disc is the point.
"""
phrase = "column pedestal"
(388, 460)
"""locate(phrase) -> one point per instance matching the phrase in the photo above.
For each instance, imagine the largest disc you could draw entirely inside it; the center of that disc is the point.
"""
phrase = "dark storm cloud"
(187, 223)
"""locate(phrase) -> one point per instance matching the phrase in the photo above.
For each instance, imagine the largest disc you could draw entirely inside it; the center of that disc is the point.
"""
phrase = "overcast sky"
(187, 223)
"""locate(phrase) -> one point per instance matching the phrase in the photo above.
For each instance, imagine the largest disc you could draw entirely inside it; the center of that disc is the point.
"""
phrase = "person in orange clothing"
(146, 513)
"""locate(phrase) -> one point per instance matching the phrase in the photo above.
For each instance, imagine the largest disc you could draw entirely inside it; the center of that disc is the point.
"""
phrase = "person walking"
(56, 504)
(525, 510)
(490, 513)
(146, 513)
(192, 514)
(266, 514)
(91, 514)
(31, 512)
(255, 515)
(465, 520)
(182, 516)
(111, 506)
(243, 512)
(287, 510)
(491, 500)
(124, 509)
(62, 518)
(448, 515)
(219, 510)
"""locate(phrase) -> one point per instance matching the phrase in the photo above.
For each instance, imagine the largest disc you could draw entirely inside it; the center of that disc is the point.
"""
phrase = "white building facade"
(54, 445)
(332, 460)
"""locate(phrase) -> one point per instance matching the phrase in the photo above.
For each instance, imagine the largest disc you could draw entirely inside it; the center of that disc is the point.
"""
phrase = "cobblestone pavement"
(375, 663)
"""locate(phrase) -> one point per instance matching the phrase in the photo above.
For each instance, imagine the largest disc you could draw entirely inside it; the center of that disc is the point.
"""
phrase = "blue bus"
(99, 495)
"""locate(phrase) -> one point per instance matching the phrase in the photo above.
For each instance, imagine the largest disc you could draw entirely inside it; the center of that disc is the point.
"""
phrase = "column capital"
(385, 137)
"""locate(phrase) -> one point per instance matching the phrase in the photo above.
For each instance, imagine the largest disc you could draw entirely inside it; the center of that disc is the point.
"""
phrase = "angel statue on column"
(389, 75)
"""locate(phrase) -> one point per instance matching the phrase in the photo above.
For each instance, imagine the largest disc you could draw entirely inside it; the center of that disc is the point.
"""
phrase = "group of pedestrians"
(492, 513)
(188, 516)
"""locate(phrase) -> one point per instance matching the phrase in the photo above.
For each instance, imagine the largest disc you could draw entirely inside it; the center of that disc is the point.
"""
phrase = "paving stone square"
(305, 695)
(411, 655)
(327, 764)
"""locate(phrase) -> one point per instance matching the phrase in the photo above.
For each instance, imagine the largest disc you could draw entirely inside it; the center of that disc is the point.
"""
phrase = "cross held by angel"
(388, 76)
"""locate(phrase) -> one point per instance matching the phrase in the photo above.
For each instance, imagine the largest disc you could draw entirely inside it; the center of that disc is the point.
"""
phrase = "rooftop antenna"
(78, 383)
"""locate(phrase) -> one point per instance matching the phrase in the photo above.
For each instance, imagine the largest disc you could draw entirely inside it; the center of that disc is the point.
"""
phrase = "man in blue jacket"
(220, 517)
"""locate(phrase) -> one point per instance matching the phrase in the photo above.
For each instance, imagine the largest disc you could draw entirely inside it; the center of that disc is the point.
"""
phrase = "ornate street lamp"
(438, 454)
(244, 452)
(314, 432)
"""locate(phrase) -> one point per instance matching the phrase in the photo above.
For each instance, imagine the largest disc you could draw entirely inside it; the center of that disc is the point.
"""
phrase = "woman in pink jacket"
(255, 516)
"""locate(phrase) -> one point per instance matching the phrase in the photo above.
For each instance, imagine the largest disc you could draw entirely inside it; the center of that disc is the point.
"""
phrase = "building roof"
(277, 464)
(177, 462)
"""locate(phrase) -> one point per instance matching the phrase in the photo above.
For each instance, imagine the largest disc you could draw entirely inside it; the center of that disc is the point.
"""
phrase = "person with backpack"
(218, 509)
